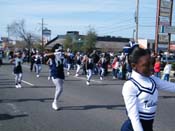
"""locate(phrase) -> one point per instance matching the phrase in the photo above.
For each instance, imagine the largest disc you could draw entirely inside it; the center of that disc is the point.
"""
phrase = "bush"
(173, 66)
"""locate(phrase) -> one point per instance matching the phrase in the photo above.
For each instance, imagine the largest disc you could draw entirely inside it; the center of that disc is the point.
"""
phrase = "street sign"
(165, 4)
(163, 38)
(169, 29)
(164, 20)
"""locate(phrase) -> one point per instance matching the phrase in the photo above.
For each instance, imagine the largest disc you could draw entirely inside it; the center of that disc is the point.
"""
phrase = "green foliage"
(90, 40)
(173, 66)
(68, 43)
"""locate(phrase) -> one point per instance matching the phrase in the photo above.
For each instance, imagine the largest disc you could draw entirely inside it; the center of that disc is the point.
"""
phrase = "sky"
(106, 17)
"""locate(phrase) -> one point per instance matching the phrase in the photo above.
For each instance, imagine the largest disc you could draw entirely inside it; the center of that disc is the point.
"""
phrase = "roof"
(110, 45)
(56, 40)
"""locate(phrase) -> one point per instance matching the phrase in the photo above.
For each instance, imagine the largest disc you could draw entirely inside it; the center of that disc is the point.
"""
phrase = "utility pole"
(137, 19)
(42, 39)
(8, 34)
(157, 27)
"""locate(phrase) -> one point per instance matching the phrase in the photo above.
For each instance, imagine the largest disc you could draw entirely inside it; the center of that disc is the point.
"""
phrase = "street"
(98, 107)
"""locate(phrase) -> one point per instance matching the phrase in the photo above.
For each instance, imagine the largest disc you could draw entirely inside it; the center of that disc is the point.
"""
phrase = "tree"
(68, 42)
(90, 40)
(18, 29)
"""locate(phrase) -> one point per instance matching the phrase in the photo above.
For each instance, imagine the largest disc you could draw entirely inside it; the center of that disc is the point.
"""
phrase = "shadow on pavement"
(166, 97)
(7, 116)
(24, 100)
(90, 107)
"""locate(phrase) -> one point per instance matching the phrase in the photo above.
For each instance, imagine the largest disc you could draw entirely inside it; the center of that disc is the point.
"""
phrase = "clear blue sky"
(107, 17)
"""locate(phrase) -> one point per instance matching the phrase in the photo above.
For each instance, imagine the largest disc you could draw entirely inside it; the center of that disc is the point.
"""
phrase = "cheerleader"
(38, 63)
(140, 93)
(102, 63)
(89, 67)
(17, 60)
(57, 74)
(78, 63)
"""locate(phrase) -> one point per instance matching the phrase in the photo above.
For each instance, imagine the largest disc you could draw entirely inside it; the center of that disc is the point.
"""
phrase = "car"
(165, 59)
(1, 56)
(170, 58)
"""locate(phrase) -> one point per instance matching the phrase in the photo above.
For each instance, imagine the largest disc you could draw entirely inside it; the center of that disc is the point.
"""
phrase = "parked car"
(1, 56)
(165, 59)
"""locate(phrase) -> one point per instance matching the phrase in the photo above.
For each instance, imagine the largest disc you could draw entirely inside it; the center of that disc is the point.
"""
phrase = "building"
(106, 43)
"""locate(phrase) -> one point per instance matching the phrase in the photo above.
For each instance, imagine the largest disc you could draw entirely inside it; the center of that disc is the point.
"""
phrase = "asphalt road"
(98, 107)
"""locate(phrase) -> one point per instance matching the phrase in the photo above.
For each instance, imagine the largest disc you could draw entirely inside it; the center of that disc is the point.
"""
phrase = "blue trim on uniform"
(144, 89)
(145, 113)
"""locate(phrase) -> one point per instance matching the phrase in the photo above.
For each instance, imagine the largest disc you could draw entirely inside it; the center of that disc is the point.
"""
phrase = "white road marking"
(83, 78)
(27, 83)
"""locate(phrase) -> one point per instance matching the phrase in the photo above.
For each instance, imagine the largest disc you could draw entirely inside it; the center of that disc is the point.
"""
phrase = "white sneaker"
(88, 83)
(101, 78)
(37, 75)
(16, 86)
(48, 77)
(19, 86)
(54, 106)
(68, 73)
(77, 75)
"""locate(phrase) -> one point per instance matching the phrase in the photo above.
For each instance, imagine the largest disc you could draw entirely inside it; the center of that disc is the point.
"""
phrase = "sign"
(46, 32)
(164, 20)
(165, 4)
(169, 29)
(165, 10)
(163, 38)
(164, 14)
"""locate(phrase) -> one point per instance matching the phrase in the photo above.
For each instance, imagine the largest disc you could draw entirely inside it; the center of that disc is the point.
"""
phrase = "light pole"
(137, 19)
(134, 39)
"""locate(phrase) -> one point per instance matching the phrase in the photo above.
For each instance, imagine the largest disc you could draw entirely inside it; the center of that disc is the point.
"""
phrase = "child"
(166, 71)
(140, 93)
(57, 74)
(17, 69)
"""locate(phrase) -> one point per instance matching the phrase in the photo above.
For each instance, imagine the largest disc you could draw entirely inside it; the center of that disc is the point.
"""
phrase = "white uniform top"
(17, 60)
(141, 97)
(167, 69)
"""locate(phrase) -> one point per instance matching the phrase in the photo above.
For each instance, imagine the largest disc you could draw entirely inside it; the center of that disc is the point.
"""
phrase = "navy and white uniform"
(140, 95)
(18, 71)
(57, 74)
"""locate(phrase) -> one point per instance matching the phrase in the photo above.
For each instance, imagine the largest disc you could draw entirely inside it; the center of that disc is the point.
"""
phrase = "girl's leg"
(37, 70)
(16, 80)
(89, 75)
(127, 126)
(59, 89)
(102, 73)
(19, 80)
(68, 68)
(78, 70)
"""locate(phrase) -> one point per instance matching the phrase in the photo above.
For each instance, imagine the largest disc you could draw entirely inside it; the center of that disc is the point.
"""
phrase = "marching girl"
(17, 60)
(89, 68)
(57, 74)
(140, 93)
(38, 63)
(102, 63)
(78, 63)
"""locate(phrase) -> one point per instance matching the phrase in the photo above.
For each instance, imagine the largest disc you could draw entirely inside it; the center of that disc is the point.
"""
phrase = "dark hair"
(136, 53)
(56, 46)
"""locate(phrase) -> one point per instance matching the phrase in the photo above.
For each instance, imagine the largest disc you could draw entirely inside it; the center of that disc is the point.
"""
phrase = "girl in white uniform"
(140, 93)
